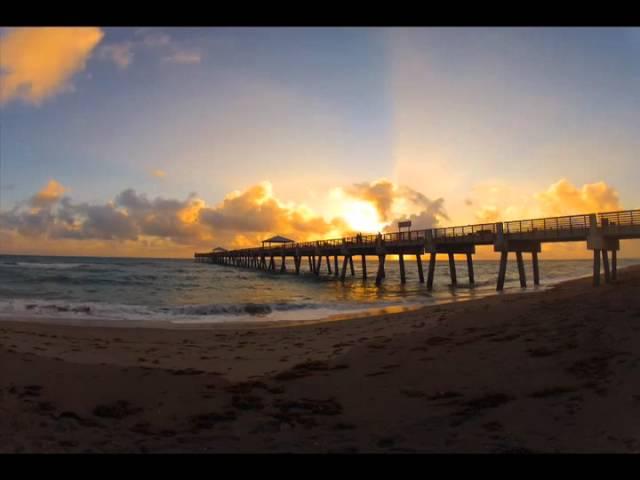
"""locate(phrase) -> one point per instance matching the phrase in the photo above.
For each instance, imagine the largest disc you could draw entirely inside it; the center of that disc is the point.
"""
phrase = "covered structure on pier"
(277, 239)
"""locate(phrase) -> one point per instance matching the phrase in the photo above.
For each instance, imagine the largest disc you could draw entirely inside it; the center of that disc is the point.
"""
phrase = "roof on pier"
(278, 239)
(219, 249)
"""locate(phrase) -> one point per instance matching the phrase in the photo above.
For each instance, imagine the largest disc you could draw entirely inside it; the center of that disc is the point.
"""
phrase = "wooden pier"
(602, 233)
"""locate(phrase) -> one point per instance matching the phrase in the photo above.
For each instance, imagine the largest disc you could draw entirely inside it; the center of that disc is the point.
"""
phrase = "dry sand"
(556, 371)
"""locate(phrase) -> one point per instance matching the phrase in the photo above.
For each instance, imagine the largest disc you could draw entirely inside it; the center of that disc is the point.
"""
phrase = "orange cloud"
(256, 213)
(39, 62)
(498, 201)
(564, 198)
(50, 193)
(159, 173)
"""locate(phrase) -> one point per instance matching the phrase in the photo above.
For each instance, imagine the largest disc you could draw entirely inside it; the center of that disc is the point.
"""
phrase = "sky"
(163, 141)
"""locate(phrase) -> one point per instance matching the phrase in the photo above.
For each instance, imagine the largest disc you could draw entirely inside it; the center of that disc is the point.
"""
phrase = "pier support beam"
(420, 273)
(432, 269)
(328, 264)
(597, 242)
(470, 269)
(521, 272)
(318, 265)
(296, 262)
(605, 264)
(283, 265)
(364, 267)
(353, 272)
(519, 247)
(452, 270)
(536, 270)
(502, 271)
(380, 274)
(344, 267)
(310, 264)
(614, 265)
(596, 267)
(403, 278)
(336, 271)
(272, 264)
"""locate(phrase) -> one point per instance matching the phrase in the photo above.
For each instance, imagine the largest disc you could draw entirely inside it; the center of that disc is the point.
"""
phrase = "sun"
(362, 216)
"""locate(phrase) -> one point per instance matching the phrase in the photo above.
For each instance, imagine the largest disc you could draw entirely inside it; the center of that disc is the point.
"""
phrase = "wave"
(179, 313)
(52, 266)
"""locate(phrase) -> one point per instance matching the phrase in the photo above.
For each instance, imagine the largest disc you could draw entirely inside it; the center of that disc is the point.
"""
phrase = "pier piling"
(470, 269)
(536, 271)
(521, 272)
(452, 270)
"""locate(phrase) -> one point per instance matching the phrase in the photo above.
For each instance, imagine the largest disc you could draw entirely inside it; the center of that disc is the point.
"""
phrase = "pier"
(602, 233)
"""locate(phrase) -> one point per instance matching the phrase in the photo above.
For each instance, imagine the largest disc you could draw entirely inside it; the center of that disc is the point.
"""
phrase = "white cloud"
(184, 57)
(119, 53)
(157, 39)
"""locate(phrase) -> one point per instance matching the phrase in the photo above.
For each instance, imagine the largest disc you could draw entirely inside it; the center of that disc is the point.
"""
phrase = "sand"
(554, 371)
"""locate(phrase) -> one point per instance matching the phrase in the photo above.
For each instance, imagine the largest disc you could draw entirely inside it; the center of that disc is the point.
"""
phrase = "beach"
(550, 371)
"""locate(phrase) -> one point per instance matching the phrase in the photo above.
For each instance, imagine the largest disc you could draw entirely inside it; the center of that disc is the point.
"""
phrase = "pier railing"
(626, 217)
(569, 222)
(465, 231)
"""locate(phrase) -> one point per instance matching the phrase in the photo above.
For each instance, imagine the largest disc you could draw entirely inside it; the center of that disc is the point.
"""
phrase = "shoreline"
(553, 372)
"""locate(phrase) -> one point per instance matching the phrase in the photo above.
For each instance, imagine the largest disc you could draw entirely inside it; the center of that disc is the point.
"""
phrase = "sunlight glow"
(362, 216)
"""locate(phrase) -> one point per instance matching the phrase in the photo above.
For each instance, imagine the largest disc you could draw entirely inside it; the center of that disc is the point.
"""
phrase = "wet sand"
(555, 371)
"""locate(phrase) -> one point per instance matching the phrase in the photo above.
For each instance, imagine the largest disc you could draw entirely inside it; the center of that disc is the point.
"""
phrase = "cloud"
(38, 63)
(498, 201)
(184, 57)
(242, 218)
(50, 194)
(398, 202)
(157, 39)
(175, 220)
(488, 214)
(119, 53)
(255, 213)
(564, 198)
(159, 173)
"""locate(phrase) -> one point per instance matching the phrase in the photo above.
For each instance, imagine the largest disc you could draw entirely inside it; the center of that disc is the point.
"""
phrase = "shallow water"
(182, 291)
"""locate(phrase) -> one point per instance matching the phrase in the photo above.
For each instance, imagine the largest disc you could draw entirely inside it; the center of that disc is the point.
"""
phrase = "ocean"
(181, 292)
